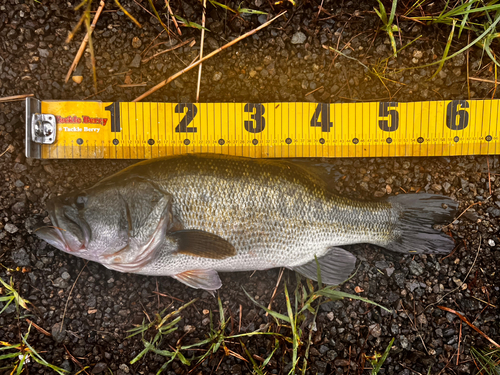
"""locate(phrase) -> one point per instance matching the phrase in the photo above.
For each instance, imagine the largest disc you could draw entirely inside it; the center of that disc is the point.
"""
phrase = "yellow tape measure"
(123, 130)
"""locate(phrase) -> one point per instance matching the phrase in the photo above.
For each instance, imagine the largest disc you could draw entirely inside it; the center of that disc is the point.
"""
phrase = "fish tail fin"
(414, 231)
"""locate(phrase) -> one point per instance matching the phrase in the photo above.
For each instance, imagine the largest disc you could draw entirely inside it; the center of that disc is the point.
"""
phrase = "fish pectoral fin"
(336, 266)
(200, 279)
(202, 244)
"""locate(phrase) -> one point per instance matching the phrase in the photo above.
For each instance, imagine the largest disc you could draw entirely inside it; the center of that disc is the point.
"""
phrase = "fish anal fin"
(336, 266)
(202, 244)
(200, 279)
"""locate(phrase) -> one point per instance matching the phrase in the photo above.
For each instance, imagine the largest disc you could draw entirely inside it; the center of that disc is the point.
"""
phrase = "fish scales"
(275, 214)
(191, 216)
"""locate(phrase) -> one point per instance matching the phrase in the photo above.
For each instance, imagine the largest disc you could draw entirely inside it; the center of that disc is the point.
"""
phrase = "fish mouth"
(68, 232)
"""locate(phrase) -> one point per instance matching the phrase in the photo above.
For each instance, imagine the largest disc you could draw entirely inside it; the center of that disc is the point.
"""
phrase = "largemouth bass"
(191, 216)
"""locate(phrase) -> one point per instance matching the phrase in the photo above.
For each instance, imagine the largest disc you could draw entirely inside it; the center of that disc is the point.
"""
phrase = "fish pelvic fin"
(202, 244)
(200, 279)
(414, 231)
(336, 267)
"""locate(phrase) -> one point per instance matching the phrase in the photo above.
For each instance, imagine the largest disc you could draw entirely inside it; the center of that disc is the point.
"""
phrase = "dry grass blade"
(465, 320)
(173, 17)
(171, 78)
(201, 49)
(158, 17)
(38, 328)
(87, 39)
(15, 98)
(127, 13)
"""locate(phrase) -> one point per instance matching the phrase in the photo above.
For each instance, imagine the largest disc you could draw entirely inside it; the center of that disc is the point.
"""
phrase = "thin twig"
(84, 42)
(459, 340)
(483, 80)
(489, 174)
(169, 296)
(465, 320)
(39, 329)
(133, 85)
(69, 295)
(313, 91)
(464, 211)
(173, 17)
(171, 78)
(10, 149)
(241, 313)
(201, 48)
(15, 98)
(465, 278)
(275, 290)
(167, 50)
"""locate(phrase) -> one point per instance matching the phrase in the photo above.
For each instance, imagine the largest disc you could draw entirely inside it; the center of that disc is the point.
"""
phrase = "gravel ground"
(281, 63)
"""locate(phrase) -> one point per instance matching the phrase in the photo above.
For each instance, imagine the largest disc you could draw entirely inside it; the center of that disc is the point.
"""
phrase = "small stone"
(342, 362)
(418, 54)
(60, 283)
(375, 330)
(136, 62)
(19, 207)
(446, 186)
(43, 52)
(20, 257)
(421, 319)
(11, 228)
(65, 276)
(388, 189)
(99, 367)
(495, 212)
(404, 342)
(252, 73)
(124, 368)
(212, 43)
(298, 38)
(262, 18)
(415, 268)
(49, 169)
(217, 76)
(58, 332)
(136, 42)
(436, 187)
(389, 271)
(491, 242)
(330, 316)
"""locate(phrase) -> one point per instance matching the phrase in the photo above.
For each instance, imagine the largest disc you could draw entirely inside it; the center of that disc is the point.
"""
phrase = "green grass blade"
(147, 348)
(38, 358)
(271, 312)
(464, 20)
(10, 355)
(217, 4)
(318, 272)
(338, 294)
(382, 359)
(382, 14)
(446, 49)
(249, 11)
(393, 12)
(221, 314)
(293, 323)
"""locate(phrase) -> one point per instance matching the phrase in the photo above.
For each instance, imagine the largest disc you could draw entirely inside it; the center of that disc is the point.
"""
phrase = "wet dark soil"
(284, 62)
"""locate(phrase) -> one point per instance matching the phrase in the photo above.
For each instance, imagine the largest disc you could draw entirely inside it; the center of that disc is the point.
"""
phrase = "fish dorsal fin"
(202, 244)
(200, 279)
(336, 266)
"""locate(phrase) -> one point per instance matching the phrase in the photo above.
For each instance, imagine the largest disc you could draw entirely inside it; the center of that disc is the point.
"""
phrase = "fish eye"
(80, 202)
